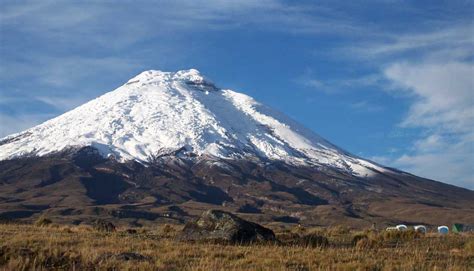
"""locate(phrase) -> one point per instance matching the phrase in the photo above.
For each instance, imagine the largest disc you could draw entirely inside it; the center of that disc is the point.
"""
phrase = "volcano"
(166, 145)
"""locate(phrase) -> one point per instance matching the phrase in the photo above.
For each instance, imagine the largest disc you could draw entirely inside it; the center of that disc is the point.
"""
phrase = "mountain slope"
(165, 146)
(158, 112)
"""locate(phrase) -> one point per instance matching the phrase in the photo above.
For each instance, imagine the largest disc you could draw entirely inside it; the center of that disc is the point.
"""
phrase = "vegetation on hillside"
(52, 246)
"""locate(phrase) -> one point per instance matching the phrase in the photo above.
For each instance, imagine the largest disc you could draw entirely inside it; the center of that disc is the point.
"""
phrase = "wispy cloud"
(450, 162)
(444, 105)
(340, 85)
(443, 93)
(456, 38)
(60, 53)
(13, 124)
(96, 22)
(433, 70)
(68, 79)
(367, 106)
(78, 46)
(61, 103)
(439, 81)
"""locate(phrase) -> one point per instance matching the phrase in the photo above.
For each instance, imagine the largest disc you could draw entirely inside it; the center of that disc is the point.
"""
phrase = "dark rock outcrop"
(221, 226)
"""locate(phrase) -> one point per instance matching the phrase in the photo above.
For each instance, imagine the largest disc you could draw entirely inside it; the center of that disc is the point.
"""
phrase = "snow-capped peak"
(191, 77)
(158, 112)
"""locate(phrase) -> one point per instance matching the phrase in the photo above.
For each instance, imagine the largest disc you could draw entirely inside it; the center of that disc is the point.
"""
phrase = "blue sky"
(391, 81)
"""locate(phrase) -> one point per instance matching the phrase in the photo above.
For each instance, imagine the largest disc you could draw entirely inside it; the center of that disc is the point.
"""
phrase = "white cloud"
(85, 39)
(441, 87)
(449, 162)
(60, 72)
(106, 25)
(443, 93)
(441, 43)
(431, 143)
(71, 77)
(434, 71)
(437, 75)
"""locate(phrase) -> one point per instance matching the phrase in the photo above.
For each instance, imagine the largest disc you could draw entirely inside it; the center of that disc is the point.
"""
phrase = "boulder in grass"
(224, 227)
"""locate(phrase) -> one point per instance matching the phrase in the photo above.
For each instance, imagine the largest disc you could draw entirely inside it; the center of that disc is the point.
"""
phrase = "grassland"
(26, 247)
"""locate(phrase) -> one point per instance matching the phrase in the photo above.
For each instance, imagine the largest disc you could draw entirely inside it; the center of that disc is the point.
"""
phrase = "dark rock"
(103, 226)
(221, 226)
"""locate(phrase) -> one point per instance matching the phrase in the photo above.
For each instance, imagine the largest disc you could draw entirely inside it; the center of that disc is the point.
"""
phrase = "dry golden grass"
(26, 247)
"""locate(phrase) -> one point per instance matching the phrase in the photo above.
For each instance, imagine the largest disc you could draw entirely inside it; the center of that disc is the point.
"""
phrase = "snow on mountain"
(158, 112)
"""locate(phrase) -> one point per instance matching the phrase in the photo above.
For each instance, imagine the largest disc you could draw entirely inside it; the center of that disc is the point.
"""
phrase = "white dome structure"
(443, 230)
(402, 227)
(420, 228)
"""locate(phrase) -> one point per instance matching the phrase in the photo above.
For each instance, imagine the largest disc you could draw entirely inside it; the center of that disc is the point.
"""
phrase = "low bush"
(338, 230)
(356, 238)
(399, 236)
(372, 239)
(131, 231)
(469, 246)
(103, 226)
(29, 247)
(43, 221)
(306, 240)
(367, 243)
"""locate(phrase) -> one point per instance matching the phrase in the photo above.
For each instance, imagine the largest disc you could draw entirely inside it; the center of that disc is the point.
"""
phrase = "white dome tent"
(420, 228)
(443, 230)
(402, 227)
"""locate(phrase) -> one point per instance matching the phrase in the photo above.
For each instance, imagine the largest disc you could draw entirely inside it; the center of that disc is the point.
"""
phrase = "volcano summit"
(158, 112)
(166, 145)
